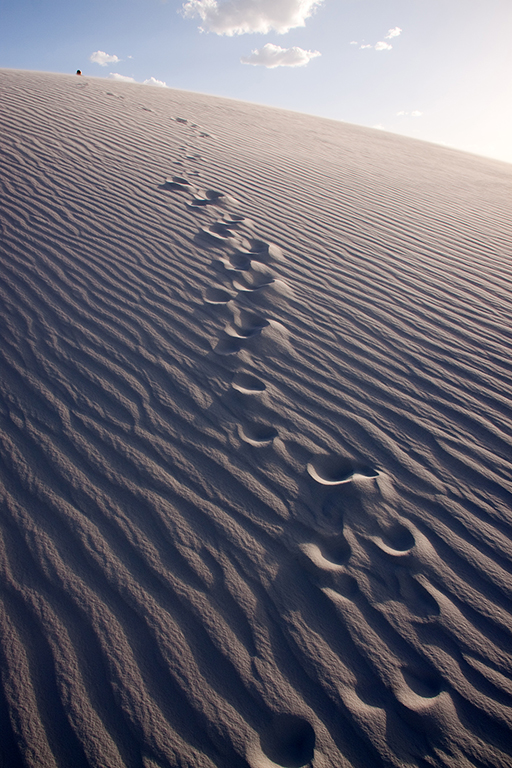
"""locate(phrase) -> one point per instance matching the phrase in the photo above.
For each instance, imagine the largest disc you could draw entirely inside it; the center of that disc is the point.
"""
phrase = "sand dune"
(256, 438)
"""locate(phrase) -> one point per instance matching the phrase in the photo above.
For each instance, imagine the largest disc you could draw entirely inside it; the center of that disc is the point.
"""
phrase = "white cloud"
(153, 81)
(272, 56)
(238, 17)
(123, 78)
(393, 33)
(362, 47)
(353, 42)
(416, 113)
(102, 58)
(381, 46)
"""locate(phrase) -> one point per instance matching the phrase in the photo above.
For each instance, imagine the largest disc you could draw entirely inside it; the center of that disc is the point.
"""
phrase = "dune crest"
(255, 438)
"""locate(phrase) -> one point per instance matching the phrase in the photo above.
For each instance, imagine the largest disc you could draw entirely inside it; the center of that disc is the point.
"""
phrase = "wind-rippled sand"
(256, 438)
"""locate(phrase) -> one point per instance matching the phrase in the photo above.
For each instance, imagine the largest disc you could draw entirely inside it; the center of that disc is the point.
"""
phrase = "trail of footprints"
(250, 278)
(386, 543)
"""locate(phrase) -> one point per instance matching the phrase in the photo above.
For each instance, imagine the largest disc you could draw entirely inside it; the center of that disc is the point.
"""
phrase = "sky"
(436, 70)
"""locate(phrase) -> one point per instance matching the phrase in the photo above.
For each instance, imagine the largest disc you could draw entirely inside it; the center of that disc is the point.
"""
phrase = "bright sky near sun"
(438, 70)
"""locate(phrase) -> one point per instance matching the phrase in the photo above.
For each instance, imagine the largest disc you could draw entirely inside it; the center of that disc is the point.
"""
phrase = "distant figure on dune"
(79, 71)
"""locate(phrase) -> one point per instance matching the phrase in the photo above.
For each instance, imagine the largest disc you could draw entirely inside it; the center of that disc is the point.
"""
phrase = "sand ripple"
(255, 408)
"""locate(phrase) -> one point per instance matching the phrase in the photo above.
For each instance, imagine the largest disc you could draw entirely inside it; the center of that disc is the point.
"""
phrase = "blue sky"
(445, 77)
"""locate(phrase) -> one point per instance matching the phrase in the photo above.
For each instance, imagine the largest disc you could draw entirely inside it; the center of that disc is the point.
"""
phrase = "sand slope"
(256, 438)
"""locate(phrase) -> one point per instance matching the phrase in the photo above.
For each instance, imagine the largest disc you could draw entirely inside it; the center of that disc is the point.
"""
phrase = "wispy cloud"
(395, 32)
(272, 56)
(123, 78)
(414, 113)
(153, 81)
(239, 17)
(102, 58)
(381, 45)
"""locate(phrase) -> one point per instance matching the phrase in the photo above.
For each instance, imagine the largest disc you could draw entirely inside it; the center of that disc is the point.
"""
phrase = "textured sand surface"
(256, 432)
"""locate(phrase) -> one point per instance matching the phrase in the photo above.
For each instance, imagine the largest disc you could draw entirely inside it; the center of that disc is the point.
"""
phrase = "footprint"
(396, 541)
(241, 286)
(259, 250)
(234, 220)
(422, 682)
(257, 434)
(328, 555)
(254, 280)
(289, 741)
(247, 324)
(215, 234)
(337, 550)
(236, 263)
(242, 333)
(178, 182)
(217, 296)
(247, 384)
(211, 197)
(330, 469)
(229, 345)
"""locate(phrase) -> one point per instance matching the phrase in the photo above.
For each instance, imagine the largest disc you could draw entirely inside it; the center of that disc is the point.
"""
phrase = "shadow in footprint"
(330, 469)
(239, 262)
(248, 384)
(217, 296)
(211, 197)
(253, 281)
(247, 324)
(289, 741)
(336, 550)
(213, 236)
(177, 182)
(259, 250)
(422, 682)
(257, 434)
(397, 540)
(228, 345)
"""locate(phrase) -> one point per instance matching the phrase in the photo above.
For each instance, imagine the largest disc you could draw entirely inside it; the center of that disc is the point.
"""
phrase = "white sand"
(255, 438)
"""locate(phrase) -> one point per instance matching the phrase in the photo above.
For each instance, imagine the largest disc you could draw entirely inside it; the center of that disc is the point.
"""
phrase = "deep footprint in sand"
(397, 541)
(217, 296)
(257, 434)
(260, 251)
(259, 276)
(247, 324)
(178, 182)
(248, 384)
(211, 197)
(328, 554)
(228, 345)
(331, 469)
(423, 683)
(288, 741)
